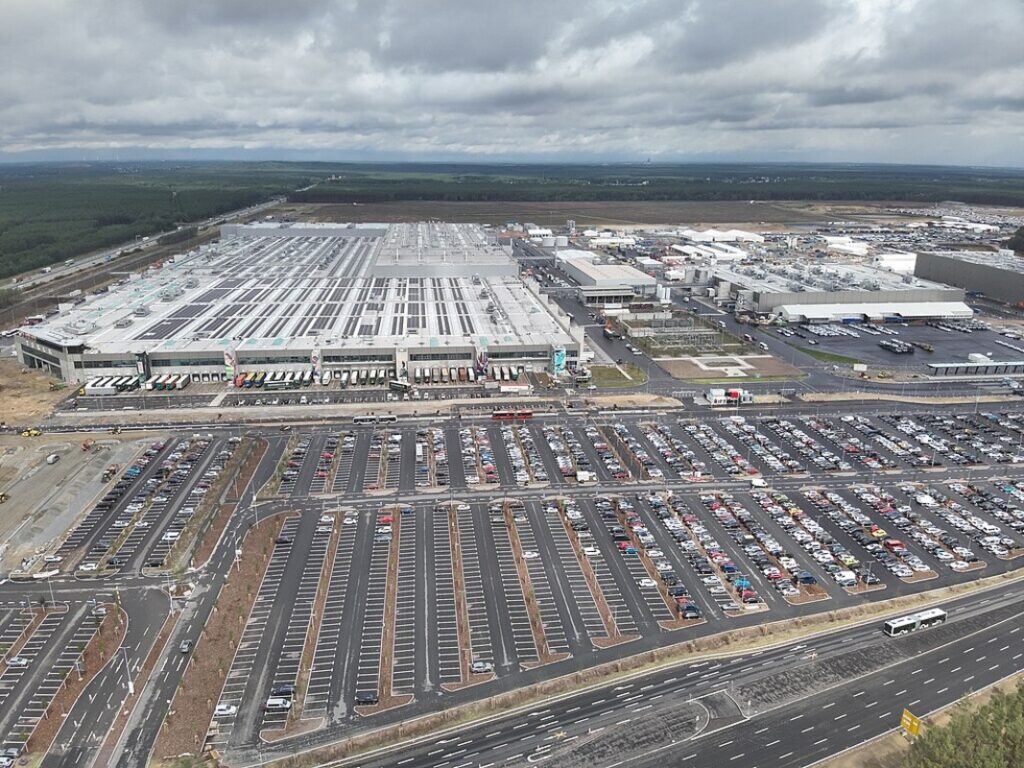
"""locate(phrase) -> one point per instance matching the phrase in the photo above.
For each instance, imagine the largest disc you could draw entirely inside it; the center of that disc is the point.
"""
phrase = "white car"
(529, 554)
(53, 559)
(88, 566)
(17, 661)
(647, 583)
(223, 710)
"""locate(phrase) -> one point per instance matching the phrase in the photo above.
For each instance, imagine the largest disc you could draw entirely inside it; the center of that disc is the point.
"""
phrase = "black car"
(283, 690)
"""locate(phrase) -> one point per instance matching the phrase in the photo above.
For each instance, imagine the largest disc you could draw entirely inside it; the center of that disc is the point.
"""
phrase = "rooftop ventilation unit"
(142, 311)
(124, 322)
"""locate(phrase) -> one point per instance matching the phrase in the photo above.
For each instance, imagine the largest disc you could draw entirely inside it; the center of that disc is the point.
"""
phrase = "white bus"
(151, 381)
(386, 418)
(914, 621)
(470, 375)
(307, 378)
(344, 379)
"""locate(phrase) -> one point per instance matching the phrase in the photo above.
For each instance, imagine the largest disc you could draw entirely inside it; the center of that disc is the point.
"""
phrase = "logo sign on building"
(910, 723)
(230, 361)
(558, 362)
(314, 359)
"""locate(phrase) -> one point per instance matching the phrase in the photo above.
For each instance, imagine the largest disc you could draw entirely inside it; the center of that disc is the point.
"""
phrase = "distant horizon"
(69, 157)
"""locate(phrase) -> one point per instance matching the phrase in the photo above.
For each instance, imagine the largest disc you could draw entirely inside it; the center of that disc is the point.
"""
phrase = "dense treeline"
(53, 212)
(991, 736)
(1016, 241)
(667, 183)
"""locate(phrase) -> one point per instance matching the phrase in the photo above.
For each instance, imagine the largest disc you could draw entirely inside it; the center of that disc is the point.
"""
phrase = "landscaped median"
(184, 729)
(210, 510)
(296, 723)
(101, 647)
(106, 753)
(738, 641)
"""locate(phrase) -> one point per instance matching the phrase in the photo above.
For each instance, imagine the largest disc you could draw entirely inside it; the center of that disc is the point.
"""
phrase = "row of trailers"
(295, 379)
(464, 375)
(112, 385)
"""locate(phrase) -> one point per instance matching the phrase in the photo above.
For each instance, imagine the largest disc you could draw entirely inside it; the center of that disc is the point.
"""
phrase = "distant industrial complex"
(434, 301)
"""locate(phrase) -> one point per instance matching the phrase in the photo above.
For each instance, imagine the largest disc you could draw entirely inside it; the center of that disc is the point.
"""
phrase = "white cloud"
(916, 81)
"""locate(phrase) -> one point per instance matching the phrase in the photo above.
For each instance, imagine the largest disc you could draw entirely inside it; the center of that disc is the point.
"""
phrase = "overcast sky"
(935, 81)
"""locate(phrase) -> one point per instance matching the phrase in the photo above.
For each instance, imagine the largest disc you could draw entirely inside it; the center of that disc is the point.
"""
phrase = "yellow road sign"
(910, 723)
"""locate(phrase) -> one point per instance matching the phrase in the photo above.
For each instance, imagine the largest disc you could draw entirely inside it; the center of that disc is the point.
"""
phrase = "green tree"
(1016, 241)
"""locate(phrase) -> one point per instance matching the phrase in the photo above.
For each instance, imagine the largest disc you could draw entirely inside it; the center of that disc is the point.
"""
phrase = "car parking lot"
(692, 526)
(948, 341)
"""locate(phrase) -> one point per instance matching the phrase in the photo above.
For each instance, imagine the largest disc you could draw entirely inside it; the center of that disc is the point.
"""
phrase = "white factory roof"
(609, 275)
(264, 291)
(907, 310)
(720, 236)
(845, 244)
(903, 263)
(818, 276)
(564, 254)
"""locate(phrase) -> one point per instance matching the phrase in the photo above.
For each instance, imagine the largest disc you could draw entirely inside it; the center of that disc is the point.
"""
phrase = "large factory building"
(276, 297)
(998, 276)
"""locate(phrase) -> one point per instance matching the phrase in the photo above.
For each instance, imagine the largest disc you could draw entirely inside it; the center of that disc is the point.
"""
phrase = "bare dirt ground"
(585, 214)
(25, 396)
(635, 401)
(45, 500)
(756, 367)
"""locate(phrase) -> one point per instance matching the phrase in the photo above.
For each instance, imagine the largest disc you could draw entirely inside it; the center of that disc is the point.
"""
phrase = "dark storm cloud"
(911, 80)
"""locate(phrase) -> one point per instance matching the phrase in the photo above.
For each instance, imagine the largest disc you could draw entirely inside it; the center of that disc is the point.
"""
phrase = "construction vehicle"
(3, 497)
(110, 471)
(88, 443)
(31, 432)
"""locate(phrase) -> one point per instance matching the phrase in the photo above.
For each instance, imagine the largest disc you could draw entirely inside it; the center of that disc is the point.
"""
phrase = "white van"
(278, 704)
(53, 458)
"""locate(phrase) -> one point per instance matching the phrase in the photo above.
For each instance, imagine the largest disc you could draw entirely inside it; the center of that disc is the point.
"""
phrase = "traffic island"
(387, 700)
(544, 653)
(188, 719)
(211, 509)
(272, 487)
(655, 576)
(636, 470)
(103, 644)
(613, 636)
(106, 753)
(296, 724)
(462, 625)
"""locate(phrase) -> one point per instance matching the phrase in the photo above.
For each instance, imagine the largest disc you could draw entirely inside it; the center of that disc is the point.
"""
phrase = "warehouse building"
(608, 283)
(289, 297)
(801, 291)
(998, 276)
